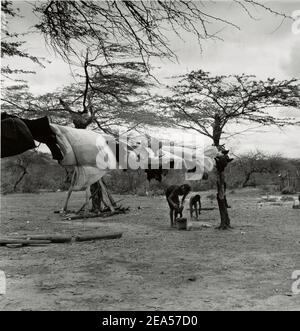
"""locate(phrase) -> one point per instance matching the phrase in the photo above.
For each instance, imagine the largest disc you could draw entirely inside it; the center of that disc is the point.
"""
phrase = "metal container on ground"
(181, 223)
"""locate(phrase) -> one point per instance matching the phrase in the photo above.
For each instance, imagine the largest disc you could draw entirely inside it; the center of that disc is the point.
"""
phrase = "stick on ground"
(23, 242)
(98, 237)
(53, 238)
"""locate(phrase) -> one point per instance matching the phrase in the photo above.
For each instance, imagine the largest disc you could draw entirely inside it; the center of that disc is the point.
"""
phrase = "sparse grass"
(211, 197)
(287, 198)
(288, 190)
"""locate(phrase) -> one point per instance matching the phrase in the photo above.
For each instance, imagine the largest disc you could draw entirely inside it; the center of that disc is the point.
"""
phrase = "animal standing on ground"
(176, 207)
(195, 205)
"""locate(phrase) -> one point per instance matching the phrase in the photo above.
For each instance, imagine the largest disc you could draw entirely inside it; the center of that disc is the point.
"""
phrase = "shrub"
(287, 198)
(211, 196)
(156, 192)
(140, 191)
(288, 190)
(29, 186)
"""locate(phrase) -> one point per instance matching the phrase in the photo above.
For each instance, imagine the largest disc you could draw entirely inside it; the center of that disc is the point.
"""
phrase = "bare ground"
(152, 267)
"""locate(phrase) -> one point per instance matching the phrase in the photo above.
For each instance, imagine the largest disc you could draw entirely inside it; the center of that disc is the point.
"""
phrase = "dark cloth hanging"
(16, 138)
(39, 130)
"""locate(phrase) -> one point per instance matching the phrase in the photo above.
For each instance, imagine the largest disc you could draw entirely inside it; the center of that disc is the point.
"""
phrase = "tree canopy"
(67, 25)
(207, 103)
(12, 43)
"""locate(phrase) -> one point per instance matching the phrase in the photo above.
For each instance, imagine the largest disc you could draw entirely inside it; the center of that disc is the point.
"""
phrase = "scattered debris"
(198, 225)
(192, 278)
(14, 245)
(44, 286)
(278, 200)
(287, 198)
(103, 214)
(269, 198)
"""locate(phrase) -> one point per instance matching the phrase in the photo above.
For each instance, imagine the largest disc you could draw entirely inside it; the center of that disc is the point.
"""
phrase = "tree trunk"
(110, 202)
(221, 163)
(248, 175)
(222, 201)
(20, 178)
(97, 197)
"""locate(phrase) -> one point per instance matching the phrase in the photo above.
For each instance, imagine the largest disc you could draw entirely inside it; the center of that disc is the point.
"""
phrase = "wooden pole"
(23, 242)
(98, 237)
(52, 238)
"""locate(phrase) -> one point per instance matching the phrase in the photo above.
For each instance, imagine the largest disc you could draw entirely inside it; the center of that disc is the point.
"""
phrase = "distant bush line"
(33, 171)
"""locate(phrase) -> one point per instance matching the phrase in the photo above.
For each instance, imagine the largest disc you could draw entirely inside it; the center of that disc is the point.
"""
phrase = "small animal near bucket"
(181, 223)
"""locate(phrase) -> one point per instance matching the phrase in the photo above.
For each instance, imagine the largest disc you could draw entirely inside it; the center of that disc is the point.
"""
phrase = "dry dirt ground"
(152, 267)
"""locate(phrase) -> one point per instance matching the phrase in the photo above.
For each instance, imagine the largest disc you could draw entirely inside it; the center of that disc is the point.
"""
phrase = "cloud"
(265, 47)
(291, 65)
(271, 140)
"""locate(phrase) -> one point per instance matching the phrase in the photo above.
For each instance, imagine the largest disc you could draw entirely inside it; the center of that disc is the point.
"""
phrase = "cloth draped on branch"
(93, 156)
(16, 137)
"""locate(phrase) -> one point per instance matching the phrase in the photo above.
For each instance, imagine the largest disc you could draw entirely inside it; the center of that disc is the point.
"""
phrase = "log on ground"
(53, 238)
(98, 236)
(5, 241)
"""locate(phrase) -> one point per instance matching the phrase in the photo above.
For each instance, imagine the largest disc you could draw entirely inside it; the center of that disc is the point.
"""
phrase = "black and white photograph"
(150, 158)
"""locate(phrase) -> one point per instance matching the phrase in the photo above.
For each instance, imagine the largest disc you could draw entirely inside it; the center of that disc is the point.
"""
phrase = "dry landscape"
(152, 267)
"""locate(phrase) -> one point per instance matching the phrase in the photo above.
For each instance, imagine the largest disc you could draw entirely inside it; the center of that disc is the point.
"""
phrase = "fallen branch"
(23, 242)
(98, 237)
(103, 214)
(52, 238)
(33, 240)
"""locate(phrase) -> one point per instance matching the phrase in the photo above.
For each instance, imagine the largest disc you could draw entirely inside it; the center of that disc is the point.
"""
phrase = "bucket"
(181, 223)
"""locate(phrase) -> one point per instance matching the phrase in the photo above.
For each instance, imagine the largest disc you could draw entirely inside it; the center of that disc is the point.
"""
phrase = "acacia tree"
(107, 26)
(135, 29)
(109, 95)
(258, 163)
(132, 30)
(206, 104)
(104, 97)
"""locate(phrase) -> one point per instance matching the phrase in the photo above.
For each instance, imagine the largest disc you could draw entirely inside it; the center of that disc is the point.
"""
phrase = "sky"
(263, 46)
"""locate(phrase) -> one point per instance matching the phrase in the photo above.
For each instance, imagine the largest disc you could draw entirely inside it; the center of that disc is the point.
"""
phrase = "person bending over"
(173, 193)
